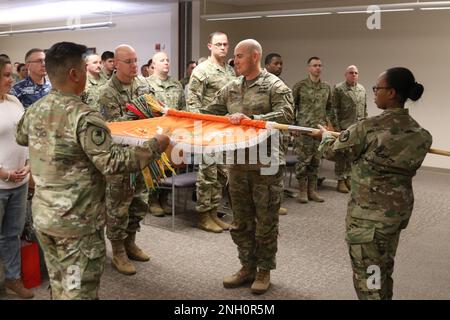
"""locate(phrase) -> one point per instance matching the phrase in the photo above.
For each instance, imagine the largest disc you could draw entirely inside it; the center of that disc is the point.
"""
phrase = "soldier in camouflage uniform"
(94, 81)
(386, 151)
(190, 66)
(206, 80)
(349, 101)
(255, 195)
(70, 150)
(312, 99)
(107, 65)
(170, 93)
(167, 90)
(126, 195)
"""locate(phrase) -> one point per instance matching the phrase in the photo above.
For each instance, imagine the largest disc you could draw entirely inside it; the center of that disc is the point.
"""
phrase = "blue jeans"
(13, 207)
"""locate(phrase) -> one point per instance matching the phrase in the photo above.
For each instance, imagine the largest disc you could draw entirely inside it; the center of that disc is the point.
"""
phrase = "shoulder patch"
(343, 137)
(98, 136)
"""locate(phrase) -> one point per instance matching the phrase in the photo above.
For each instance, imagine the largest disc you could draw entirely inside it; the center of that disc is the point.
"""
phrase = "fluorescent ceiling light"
(298, 14)
(61, 28)
(233, 18)
(435, 8)
(393, 7)
(347, 12)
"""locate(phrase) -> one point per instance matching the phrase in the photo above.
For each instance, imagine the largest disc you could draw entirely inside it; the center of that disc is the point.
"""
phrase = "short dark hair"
(190, 62)
(107, 55)
(215, 33)
(31, 51)
(404, 83)
(19, 66)
(63, 56)
(270, 56)
(313, 58)
(3, 55)
(149, 62)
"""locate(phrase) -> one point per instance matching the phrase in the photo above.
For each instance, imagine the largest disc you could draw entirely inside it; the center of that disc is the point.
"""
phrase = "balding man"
(255, 193)
(93, 81)
(167, 90)
(126, 196)
(70, 150)
(349, 100)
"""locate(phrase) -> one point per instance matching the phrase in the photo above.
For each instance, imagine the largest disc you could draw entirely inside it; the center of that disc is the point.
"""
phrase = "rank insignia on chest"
(98, 136)
(343, 137)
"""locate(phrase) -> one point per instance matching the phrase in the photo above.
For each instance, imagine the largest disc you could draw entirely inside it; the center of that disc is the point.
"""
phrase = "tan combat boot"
(155, 207)
(205, 222)
(302, 188)
(16, 287)
(282, 211)
(216, 219)
(262, 281)
(348, 183)
(120, 260)
(133, 251)
(341, 186)
(243, 276)
(312, 189)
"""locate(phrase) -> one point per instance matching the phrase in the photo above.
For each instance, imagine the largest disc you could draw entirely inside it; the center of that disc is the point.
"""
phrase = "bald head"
(250, 46)
(351, 75)
(161, 64)
(125, 61)
(247, 58)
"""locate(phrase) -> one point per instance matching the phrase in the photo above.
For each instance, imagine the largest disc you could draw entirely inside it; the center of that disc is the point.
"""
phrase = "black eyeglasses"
(375, 88)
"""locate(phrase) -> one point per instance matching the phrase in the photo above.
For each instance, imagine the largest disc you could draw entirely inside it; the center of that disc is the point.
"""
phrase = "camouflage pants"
(125, 206)
(372, 246)
(210, 180)
(309, 157)
(342, 168)
(255, 200)
(74, 265)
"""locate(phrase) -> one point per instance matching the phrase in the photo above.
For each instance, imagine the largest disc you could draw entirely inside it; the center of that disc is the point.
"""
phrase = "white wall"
(416, 40)
(139, 31)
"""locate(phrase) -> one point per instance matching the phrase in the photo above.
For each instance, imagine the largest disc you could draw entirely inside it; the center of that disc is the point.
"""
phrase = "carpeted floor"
(312, 259)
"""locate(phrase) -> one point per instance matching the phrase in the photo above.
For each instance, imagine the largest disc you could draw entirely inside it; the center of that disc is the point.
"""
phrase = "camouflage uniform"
(170, 92)
(313, 106)
(255, 197)
(126, 202)
(90, 94)
(350, 105)
(70, 150)
(386, 151)
(206, 80)
(104, 76)
(184, 81)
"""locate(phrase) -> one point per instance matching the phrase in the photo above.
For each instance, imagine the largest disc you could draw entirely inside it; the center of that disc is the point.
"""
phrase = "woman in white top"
(14, 175)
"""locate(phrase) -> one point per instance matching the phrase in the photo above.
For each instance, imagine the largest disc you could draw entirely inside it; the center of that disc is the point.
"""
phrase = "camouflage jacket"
(349, 103)
(170, 92)
(90, 94)
(264, 98)
(184, 81)
(386, 151)
(70, 150)
(206, 80)
(113, 97)
(29, 92)
(104, 76)
(312, 103)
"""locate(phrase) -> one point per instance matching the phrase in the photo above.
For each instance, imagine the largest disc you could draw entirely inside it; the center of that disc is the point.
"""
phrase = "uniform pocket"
(93, 246)
(358, 235)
